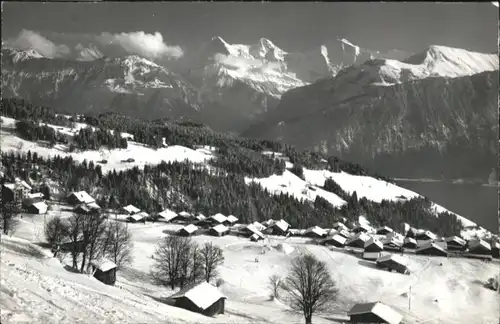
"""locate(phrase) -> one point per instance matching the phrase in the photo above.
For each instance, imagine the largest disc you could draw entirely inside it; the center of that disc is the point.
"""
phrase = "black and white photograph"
(249, 162)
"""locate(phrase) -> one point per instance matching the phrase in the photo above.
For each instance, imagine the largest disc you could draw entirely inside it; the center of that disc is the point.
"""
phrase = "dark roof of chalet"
(381, 310)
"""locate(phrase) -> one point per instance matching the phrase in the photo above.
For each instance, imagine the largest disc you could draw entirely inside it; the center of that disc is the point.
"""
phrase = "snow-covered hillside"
(368, 187)
(38, 288)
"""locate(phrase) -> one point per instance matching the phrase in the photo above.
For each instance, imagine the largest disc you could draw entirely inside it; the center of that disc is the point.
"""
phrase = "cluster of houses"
(21, 191)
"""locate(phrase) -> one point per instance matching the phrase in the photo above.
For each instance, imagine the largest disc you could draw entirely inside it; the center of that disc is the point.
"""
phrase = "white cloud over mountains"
(89, 47)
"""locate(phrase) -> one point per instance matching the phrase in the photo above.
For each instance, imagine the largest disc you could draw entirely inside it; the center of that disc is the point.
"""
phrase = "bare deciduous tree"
(93, 227)
(211, 258)
(75, 237)
(309, 286)
(170, 256)
(56, 229)
(274, 285)
(117, 244)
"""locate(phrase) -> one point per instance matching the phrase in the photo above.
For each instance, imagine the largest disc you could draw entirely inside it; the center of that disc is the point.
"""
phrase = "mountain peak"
(21, 55)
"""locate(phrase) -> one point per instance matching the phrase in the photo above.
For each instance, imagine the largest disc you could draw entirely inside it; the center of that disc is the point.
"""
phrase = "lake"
(475, 202)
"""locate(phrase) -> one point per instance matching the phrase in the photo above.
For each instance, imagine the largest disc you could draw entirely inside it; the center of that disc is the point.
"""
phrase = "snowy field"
(37, 288)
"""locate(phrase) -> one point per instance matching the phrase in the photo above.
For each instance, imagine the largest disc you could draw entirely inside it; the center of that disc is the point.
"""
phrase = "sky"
(169, 28)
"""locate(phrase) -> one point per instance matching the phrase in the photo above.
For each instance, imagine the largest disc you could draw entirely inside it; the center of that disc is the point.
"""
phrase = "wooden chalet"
(230, 220)
(361, 228)
(455, 243)
(340, 226)
(38, 208)
(315, 232)
(87, 209)
(374, 313)
(201, 297)
(479, 247)
(335, 240)
(18, 190)
(392, 262)
(425, 236)
(167, 215)
(188, 230)
(373, 245)
(252, 230)
(130, 210)
(358, 241)
(137, 218)
(280, 227)
(104, 270)
(256, 237)
(410, 243)
(431, 248)
(79, 197)
(219, 230)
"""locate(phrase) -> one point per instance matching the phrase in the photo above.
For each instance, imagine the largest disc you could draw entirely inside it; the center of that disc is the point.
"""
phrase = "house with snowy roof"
(104, 270)
(339, 226)
(230, 220)
(202, 298)
(137, 218)
(479, 247)
(358, 241)
(188, 230)
(315, 232)
(431, 248)
(425, 236)
(167, 215)
(335, 240)
(455, 243)
(19, 189)
(79, 197)
(280, 227)
(392, 262)
(130, 210)
(219, 230)
(39, 207)
(373, 245)
(252, 230)
(410, 243)
(374, 313)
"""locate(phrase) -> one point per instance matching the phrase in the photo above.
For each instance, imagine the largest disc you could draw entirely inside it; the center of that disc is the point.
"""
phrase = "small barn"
(201, 298)
(219, 230)
(199, 217)
(315, 232)
(230, 220)
(137, 218)
(455, 243)
(384, 230)
(425, 236)
(392, 262)
(358, 241)
(104, 270)
(184, 216)
(374, 313)
(86, 209)
(130, 210)
(188, 230)
(373, 245)
(280, 227)
(79, 197)
(336, 240)
(480, 247)
(344, 233)
(167, 215)
(38, 208)
(432, 248)
(217, 219)
(410, 243)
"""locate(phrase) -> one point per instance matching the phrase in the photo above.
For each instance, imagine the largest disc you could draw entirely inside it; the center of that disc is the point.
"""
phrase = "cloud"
(27, 39)
(86, 47)
(147, 45)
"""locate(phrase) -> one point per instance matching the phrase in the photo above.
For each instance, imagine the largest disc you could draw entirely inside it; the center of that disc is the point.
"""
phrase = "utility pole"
(409, 300)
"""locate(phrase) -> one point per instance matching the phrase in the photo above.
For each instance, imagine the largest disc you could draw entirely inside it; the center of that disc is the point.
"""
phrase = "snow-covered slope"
(37, 288)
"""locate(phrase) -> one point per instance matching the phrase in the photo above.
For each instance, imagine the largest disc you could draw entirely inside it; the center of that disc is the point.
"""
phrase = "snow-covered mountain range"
(438, 106)
(224, 85)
